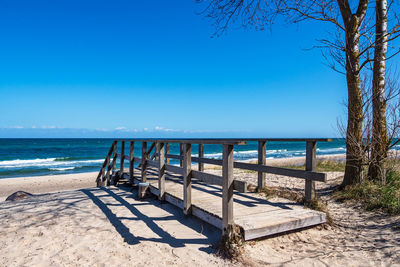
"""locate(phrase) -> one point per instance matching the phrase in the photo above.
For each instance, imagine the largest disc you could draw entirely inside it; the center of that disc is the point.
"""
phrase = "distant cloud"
(118, 132)
(162, 129)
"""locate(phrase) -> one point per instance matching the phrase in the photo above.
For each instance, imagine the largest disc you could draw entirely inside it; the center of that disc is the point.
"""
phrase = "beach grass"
(322, 166)
(374, 195)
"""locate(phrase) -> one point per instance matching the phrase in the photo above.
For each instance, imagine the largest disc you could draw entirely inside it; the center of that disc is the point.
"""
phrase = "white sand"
(94, 227)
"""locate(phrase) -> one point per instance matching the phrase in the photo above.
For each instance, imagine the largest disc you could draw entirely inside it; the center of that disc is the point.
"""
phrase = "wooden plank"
(232, 141)
(207, 161)
(144, 157)
(315, 176)
(190, 141)
(201, 155)
(284, 226)
(131, 161)
(311, 163)
(161, 170)
(227, 187)
(174, 169)
(121, 164)
(187, 179)
(207, 177)
(172, 156)
(262, 150)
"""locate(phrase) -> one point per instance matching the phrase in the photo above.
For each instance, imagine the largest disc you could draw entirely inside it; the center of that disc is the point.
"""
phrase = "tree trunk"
(376, 169)
(354, 145)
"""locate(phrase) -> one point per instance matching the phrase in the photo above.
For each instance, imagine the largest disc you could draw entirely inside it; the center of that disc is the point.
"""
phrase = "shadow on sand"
(123, 197)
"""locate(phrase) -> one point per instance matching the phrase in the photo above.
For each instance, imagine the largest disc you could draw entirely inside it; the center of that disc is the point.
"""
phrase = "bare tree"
(344, 49)
(380, 146)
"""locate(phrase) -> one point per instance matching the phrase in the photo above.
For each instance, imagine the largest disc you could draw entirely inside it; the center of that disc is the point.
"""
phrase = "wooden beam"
(311, 165)
(227, 187)
(105, 183)
(174, 169)
(216, 141)
(201, 155)
(207, 178)
(181, 154)
(187, 179)
(315, 176)
(131, 161)
(161, 170)
(262, 150)
(101, 175)
(144, 157)
(121, 164)
(114, 165)
(151, 148)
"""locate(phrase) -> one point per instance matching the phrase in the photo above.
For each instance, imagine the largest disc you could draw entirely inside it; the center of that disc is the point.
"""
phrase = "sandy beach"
(71, 223)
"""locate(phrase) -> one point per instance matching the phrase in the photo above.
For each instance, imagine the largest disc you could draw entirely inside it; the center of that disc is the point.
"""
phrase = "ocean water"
(32, 157)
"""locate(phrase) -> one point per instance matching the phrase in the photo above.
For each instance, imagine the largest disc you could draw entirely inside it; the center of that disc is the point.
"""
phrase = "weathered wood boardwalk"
(218, 200)
(255, 215)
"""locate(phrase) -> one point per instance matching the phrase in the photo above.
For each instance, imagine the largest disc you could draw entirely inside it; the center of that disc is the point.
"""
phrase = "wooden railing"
(161, 156)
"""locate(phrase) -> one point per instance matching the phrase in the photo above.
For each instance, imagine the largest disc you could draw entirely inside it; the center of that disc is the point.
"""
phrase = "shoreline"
(73, 181)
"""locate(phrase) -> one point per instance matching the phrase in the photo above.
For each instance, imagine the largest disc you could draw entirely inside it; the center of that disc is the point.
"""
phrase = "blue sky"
(150, 68)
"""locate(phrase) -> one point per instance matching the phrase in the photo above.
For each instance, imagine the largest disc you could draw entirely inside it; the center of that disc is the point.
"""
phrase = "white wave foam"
(23, 162)
(62, 169)
(49, 162)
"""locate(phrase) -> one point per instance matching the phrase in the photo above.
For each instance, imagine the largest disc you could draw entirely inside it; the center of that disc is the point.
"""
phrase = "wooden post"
(311, 161)
(131, 161)
(227, 187)
(201, 155)
(187, 179)
(144, 161)
(108, 172)
(262, 150)
(167, 152)
(181, 154)
(121, 165)
(161, 170)
(114, 163)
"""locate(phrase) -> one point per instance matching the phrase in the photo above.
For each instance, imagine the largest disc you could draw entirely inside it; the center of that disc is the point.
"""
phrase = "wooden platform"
(256, 216)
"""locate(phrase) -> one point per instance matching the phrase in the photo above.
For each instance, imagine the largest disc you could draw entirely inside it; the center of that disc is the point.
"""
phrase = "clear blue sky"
(109, 68)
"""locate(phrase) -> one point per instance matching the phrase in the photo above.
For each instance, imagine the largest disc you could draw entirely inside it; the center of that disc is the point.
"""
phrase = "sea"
(35, 157)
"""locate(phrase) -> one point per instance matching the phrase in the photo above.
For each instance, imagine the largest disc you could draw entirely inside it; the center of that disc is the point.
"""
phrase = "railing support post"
(201, 155)
(311, 161)
(107, 181)
(144, 161)
(121, 165)
(114, 162)
(181, 154)
(262, 150)
(227, 187)
(161, 170)
(187, 179)
(131, 161)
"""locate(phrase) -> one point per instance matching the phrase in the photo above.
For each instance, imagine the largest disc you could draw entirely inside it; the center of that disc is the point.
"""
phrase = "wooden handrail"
(160, 161)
